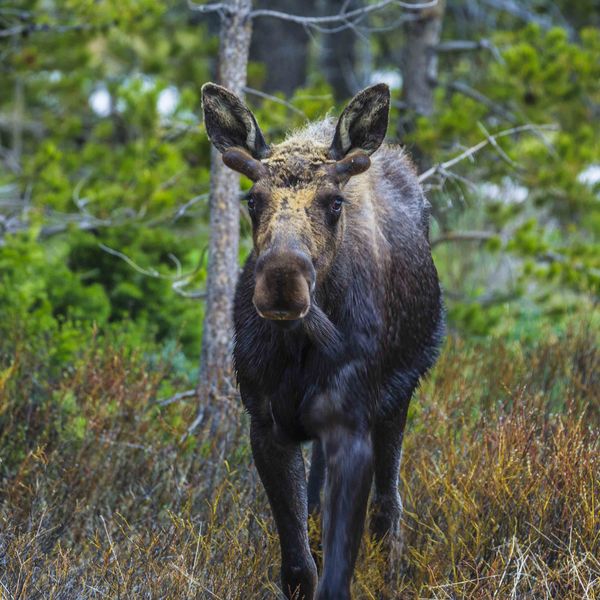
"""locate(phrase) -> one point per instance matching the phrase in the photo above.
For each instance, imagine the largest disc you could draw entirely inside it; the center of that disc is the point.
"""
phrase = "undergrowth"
(100, 497)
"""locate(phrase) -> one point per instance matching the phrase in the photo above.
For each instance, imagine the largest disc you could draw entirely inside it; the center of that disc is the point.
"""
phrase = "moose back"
(338, 314)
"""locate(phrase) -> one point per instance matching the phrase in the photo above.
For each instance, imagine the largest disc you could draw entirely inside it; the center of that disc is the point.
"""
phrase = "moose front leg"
(386, 507)
(348, 459)
(281, 469)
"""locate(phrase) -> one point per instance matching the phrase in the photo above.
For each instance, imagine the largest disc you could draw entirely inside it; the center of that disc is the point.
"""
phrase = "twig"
(195, 424)
(452, 175)
(149, 272)
(178, 282)
(183, 208)
(519, 10)
(193, 581)
(495, 144)
(107, 440)
(265, 96)
(341, 16)
(112, 548)
(25, 30)
(177, 397)
(208, 8)
(195, 295)
(466, 45)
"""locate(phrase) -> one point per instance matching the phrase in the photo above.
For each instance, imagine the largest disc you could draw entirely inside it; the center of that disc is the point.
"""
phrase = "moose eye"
(336, 205)
(251, 204)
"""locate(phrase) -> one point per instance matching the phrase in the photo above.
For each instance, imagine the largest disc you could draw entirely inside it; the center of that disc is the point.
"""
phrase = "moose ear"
(229, 123)
(363, 123)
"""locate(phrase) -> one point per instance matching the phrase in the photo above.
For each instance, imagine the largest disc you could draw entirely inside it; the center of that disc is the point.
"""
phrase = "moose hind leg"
(281, 469)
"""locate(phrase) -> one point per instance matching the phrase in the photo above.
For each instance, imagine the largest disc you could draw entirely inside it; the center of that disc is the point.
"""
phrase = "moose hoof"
(385, 529)
(299, 582)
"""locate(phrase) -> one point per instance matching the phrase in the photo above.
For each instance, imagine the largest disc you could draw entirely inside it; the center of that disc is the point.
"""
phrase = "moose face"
(297, 202)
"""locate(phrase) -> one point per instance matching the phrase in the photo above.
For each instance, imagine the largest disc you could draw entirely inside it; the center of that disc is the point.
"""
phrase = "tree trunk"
(338, 53)
(419, 69)
(282, 47)
(215, 359)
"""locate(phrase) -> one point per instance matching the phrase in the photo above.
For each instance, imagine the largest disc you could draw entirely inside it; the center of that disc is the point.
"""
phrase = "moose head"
(297, 203)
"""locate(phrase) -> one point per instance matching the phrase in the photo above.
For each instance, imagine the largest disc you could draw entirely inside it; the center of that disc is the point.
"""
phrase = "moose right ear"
(363, 123)
(229, 123)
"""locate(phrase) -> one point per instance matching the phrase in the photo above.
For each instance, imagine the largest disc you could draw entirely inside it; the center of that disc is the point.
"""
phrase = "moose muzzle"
(284, 282)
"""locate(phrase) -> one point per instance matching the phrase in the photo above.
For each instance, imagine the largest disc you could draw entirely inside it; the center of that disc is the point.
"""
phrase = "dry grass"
(500, 480)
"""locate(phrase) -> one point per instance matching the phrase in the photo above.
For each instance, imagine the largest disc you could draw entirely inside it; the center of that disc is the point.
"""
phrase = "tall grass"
(99, 498)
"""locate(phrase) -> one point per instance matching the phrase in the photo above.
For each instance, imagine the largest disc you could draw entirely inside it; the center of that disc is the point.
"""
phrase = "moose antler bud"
(241, 161)
(352, 164)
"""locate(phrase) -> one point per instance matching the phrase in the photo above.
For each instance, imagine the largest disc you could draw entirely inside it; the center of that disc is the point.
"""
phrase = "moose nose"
(284, 282)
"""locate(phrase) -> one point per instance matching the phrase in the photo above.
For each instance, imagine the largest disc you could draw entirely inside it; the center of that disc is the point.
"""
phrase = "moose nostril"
(286, 263)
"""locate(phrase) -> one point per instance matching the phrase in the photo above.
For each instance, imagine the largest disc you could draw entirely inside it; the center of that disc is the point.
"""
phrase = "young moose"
(338, 314)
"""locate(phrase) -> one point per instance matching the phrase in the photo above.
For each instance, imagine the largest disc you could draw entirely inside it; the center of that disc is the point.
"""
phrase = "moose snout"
(284, 282)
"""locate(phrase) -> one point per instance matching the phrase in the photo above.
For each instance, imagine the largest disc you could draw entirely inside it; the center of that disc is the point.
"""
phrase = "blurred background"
(104, 220)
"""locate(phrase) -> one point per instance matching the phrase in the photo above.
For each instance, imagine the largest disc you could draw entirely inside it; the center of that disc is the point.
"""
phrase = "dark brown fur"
(342, 268)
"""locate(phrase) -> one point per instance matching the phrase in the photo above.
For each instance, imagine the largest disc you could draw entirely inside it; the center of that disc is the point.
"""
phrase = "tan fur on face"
(298, 173)
(292, 211)
(285, 217)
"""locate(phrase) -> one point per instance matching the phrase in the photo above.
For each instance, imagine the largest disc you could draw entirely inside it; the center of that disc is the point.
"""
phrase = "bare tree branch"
(177, 283)
(272, 98)
(177, 397)
(521, 11)
(195, 295)
(466, 90)
(469, 152)
(151, 272)
(466, 45)
(184, 207)
(498, 149)
(343, 16)
(208, 8)
(30, 28)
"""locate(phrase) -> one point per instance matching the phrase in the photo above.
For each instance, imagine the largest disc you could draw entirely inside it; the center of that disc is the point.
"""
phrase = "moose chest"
(295, 378)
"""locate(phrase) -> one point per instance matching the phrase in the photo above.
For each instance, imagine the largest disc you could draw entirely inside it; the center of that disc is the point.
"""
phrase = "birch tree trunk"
(215, 357)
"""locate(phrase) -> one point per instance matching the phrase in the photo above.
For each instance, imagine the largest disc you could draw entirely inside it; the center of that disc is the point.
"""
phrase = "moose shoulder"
(338, 314)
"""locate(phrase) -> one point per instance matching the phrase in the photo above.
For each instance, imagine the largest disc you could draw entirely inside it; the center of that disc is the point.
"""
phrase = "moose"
(338, 314)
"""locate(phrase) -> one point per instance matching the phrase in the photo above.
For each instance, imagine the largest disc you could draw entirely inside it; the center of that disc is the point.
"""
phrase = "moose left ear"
(229, 122)
(363, 123)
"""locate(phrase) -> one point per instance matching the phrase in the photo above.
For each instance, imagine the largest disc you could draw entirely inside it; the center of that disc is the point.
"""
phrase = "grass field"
(99, 498)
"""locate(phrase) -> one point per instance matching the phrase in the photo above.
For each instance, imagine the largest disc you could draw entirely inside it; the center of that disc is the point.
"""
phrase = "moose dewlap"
(338, 314)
